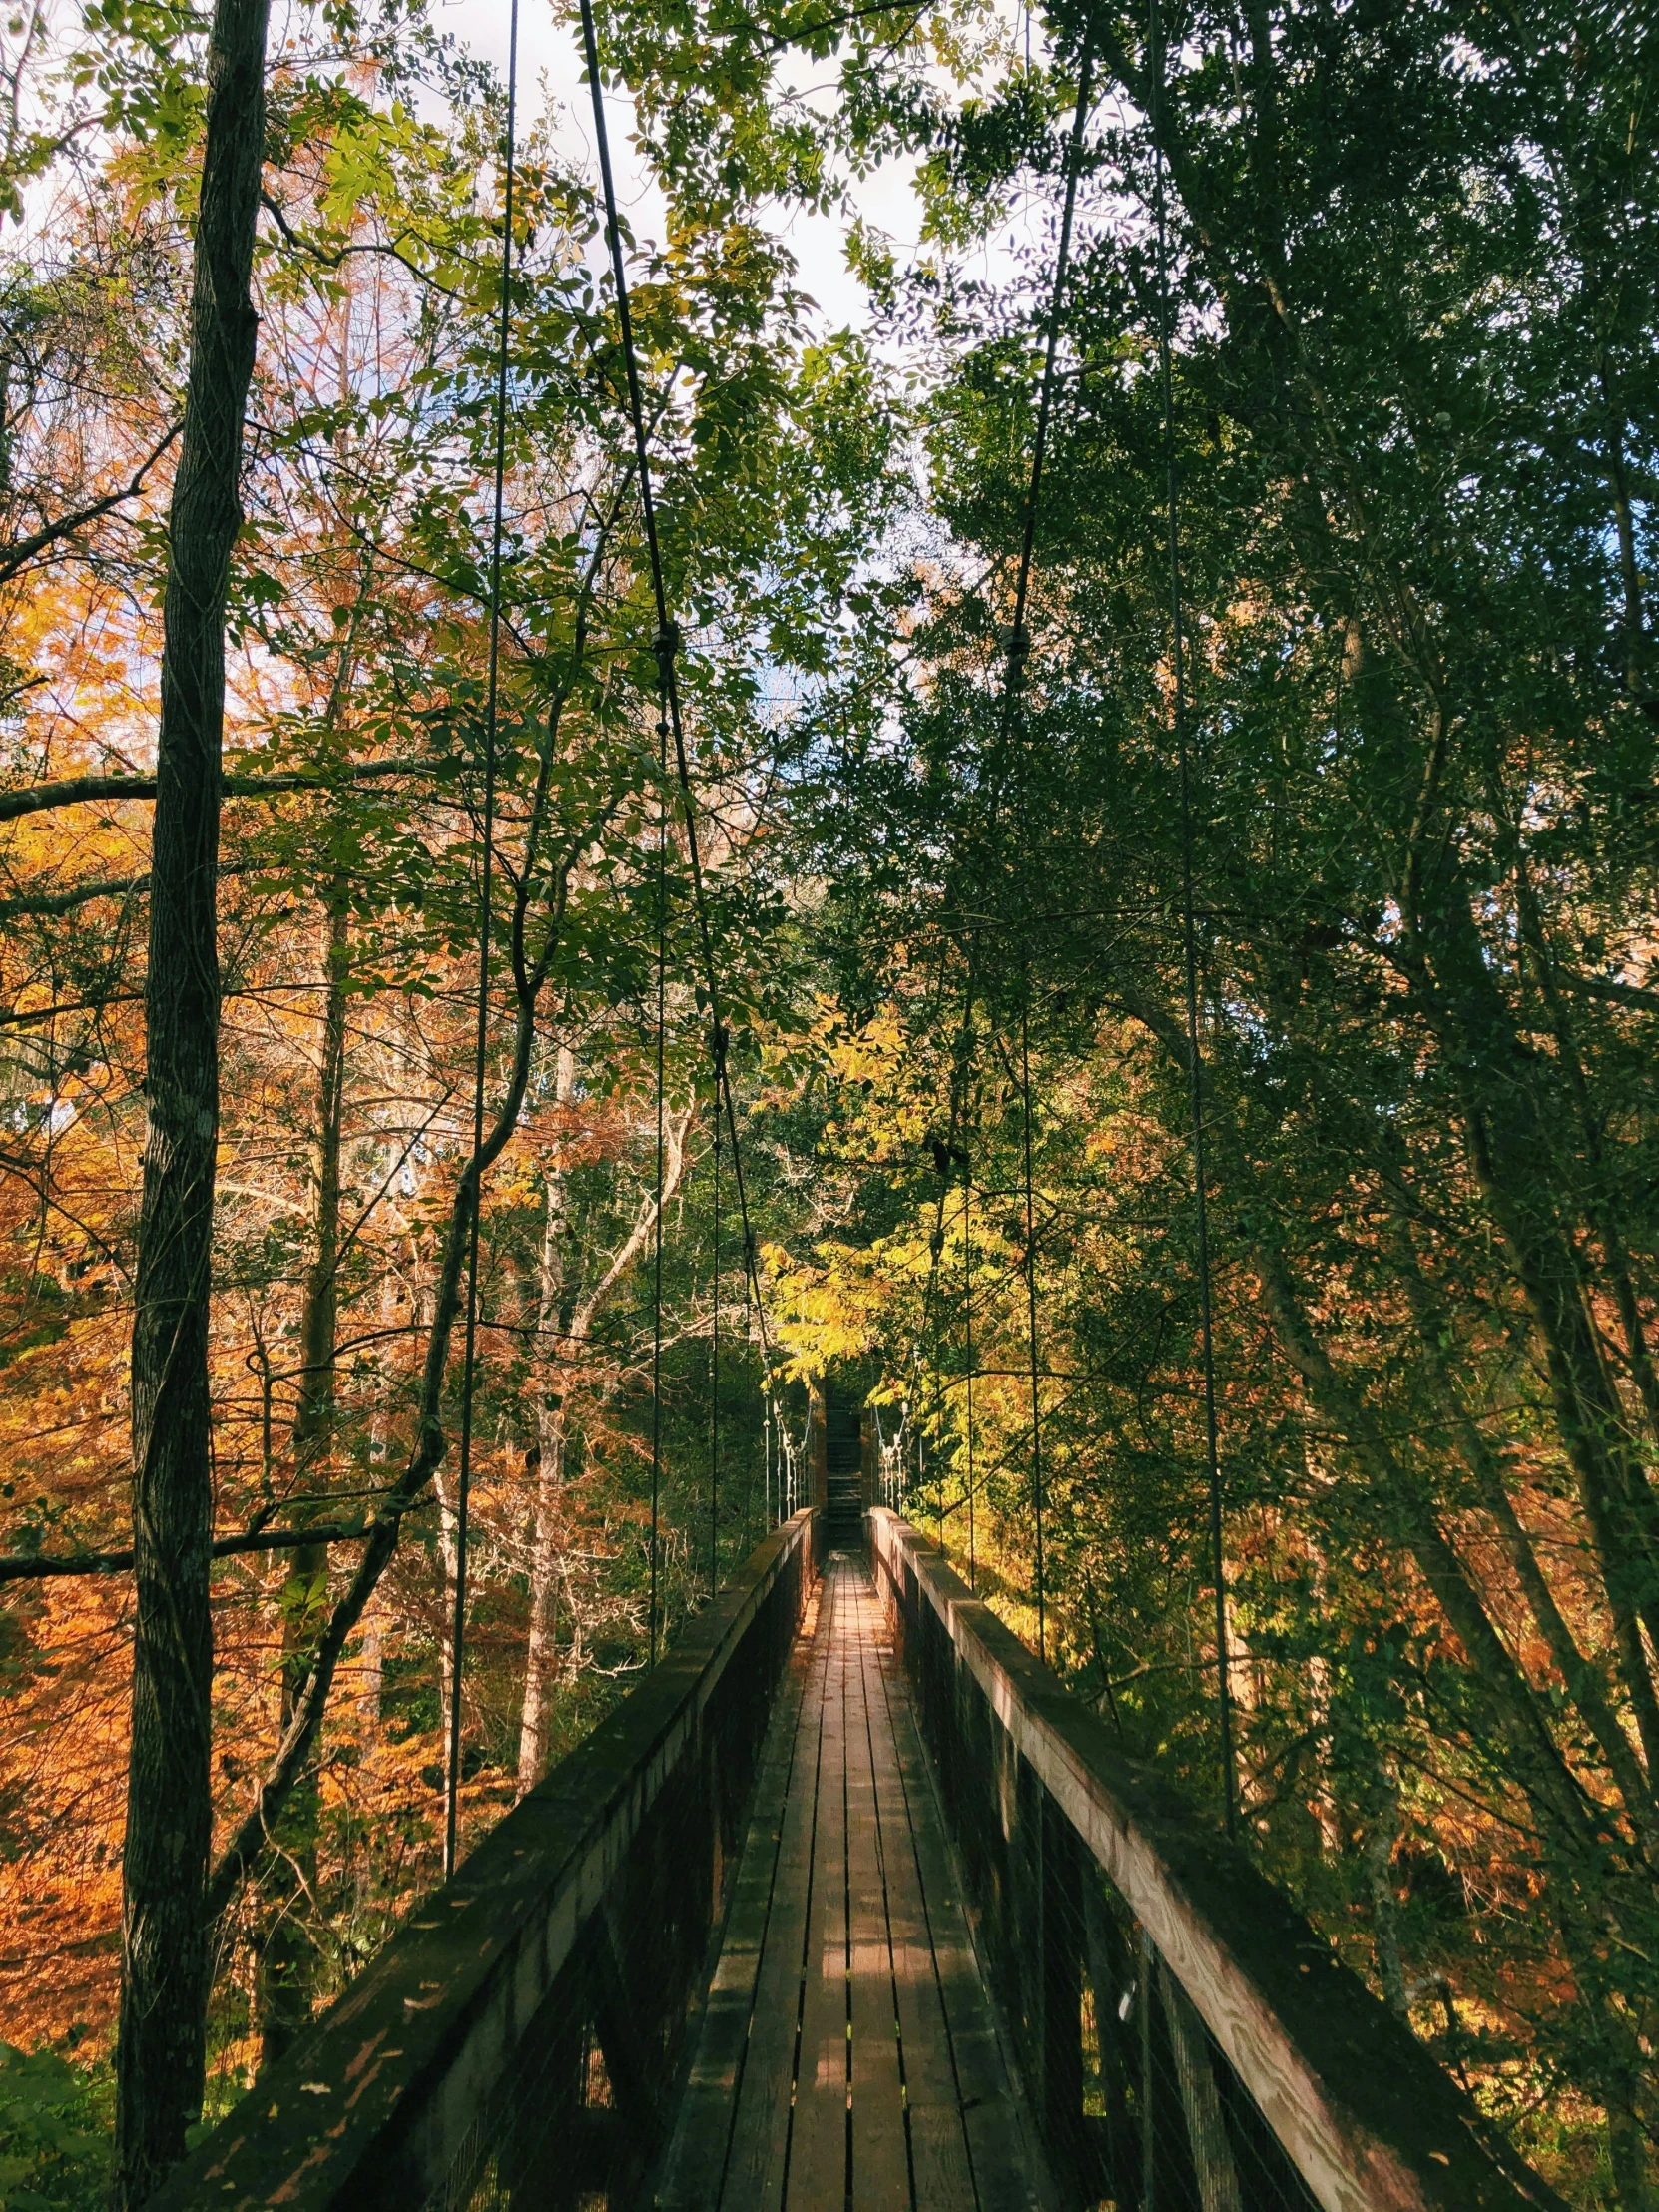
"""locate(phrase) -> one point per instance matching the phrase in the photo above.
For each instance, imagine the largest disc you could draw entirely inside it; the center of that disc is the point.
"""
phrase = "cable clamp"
(665, 645)
(1017, 642)
(718, 1038)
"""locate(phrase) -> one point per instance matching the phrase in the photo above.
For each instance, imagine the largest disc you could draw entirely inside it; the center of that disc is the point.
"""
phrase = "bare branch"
(35, 1566)
(17, 557)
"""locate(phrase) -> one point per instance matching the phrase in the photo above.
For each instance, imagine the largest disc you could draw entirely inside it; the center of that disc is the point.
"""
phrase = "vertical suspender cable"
(714, 1360)
(1031, 1326)
(665, 644)
(1189, 931)
(749, 1479)
(469, 1366)
(1019, 645)
(967, 1300)
(657, 1224)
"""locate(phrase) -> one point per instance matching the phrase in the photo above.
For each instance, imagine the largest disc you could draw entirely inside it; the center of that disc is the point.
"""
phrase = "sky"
(549, 57)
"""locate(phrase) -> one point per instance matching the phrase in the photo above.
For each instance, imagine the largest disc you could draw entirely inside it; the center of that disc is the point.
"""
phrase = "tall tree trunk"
(449, 1559)
(552, 1418)
(287, 1955)
(161, 2051)
(1581, 1675)
(546, 1575)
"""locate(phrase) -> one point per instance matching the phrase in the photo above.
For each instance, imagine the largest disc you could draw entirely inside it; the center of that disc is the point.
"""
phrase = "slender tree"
(165, 1948)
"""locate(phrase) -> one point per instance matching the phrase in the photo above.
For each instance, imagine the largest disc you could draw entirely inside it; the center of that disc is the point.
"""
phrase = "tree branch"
(17, 557)
(35, 1566)
(79, 895)
(1603, 986)
(78, 790)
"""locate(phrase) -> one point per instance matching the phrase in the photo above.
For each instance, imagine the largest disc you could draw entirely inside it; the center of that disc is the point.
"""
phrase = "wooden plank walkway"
(848, 2056)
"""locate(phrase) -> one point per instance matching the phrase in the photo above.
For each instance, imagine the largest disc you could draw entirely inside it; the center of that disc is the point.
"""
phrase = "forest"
(1149, 986)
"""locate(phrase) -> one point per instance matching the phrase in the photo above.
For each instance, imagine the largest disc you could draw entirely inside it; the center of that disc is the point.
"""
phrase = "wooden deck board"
(846, 1917)
(938, 2141)
(767, 1896)
(760, 2128)
(818, 2150)
(881, 2148)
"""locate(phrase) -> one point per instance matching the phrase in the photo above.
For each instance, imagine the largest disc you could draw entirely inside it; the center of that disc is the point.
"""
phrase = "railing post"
(1060, 2027)
(1213, 2163)
(1114, 2139)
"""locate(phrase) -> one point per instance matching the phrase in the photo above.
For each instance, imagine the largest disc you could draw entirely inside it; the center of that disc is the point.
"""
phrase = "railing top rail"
(1372, 2124)
(463, 1974)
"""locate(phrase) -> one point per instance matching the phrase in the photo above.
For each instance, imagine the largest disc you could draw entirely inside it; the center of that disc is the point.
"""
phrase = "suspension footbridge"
(851, 1903)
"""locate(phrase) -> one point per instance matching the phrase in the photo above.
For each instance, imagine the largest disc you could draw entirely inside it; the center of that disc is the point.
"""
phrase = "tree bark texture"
(164, 1953)
(552, 1428)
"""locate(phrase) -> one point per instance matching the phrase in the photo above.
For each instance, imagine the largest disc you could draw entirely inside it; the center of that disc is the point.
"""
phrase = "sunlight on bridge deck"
(848, 2054)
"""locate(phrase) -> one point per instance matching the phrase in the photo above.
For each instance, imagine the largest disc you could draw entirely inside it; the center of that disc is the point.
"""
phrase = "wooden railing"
(1184, 2037)
(519, 2038)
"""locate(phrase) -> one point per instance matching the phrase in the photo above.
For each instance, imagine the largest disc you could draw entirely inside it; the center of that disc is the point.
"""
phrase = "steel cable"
(656, 1223)
(666, 647)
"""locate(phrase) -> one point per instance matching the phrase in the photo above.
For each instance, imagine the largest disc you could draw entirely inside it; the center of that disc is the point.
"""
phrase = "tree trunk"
(1581, 1675)
(546, 1574)
(1512, 1156)
(552, 1434)
(449, 1559)
(161, 2051)
(566, 1326)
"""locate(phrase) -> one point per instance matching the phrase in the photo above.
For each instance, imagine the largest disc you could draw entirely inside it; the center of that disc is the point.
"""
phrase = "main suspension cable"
(1189, 929)
(666, 645)
(469, 1363)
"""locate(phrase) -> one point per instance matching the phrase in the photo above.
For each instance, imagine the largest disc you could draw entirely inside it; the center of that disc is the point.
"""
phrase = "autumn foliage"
(1406, 465)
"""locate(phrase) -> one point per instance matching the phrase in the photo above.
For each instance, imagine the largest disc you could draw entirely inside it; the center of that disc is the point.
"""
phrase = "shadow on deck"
(847, 2053)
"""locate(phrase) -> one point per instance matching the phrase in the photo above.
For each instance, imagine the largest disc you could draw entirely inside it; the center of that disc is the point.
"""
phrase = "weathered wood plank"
(1007, 2172)
(839, 1838)
(695, 2165)
(939, 2160)
(880, 2151)
(818, 2147)
(761, 2125)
